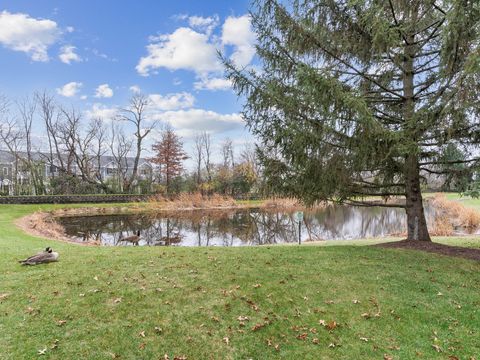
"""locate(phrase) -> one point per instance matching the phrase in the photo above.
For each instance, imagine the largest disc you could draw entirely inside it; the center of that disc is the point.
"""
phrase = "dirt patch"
(42, 225)
(436, 248)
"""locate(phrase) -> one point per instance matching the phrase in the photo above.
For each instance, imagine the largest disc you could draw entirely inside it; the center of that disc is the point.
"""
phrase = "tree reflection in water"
(235, 227)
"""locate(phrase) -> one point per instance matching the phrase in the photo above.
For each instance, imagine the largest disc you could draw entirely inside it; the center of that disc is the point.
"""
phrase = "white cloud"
(195, 48)
(215, 83)
(176, 101)
(70, 89)
(183, 49)
(103, 91)
(203, 24)
(100, 111)
(67, 54)
(135, 89)
(191, 121)
(237, 31)
(20, 32)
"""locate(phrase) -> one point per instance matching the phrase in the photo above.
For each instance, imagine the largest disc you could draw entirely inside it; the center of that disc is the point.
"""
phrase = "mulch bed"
(436, 248)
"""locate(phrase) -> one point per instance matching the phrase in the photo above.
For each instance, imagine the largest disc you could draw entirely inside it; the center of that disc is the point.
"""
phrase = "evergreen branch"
(440, 162)
(372, 203)
(309, 35)
(396, 22)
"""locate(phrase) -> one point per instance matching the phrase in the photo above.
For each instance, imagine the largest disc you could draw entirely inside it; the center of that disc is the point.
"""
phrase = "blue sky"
(96, 54)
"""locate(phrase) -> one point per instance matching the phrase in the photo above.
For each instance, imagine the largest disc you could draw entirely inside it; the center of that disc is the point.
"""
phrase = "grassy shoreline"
(104, 303)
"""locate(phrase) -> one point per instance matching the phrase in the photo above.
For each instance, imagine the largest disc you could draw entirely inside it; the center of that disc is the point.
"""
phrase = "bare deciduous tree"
(120, 147)
(198, 157)
(207, 153)
(136, 115)
(27, 109)
(227, 153)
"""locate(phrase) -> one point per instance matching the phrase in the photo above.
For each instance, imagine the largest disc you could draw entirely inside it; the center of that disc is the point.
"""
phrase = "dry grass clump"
(442, 226)
(283, 203)
(287, 203)
(451, 215)
(42, 224)
(193, 201)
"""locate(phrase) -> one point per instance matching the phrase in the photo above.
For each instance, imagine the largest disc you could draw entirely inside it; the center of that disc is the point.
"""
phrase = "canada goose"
(46, 256)
(132, 239)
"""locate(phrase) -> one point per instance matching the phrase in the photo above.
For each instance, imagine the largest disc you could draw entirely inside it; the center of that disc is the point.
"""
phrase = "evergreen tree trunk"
(416, 222)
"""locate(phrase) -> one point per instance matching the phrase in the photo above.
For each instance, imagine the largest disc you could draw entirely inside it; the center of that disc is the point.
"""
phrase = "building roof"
(6, 158)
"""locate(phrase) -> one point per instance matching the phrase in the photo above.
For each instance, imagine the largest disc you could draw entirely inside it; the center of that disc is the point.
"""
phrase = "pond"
(235, 227)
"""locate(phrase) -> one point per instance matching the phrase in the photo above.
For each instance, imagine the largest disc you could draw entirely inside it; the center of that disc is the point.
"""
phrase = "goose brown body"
(46, 256)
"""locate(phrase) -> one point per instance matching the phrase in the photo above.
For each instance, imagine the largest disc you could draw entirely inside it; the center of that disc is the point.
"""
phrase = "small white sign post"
(298, 216)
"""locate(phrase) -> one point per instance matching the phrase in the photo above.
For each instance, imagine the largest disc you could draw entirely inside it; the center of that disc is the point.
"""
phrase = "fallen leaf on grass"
(366, 315)
(117, 300)
(226, 340)
(30, 310)
(355, 301)
(42, 351)
(253, 305)
(142, 334)
(4, 296)
(55, 344)
(61, 322)
(302, 336)
(437, 348)
(315, 341)
(142, 346)
(158, 330)
(257, 286)
(257, 327)
(387, 357)
(331, 325)
(243, 318)
(364, 339)
(394, 347)
(452, 357)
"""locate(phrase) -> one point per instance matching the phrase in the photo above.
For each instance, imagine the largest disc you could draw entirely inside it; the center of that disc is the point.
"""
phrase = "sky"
(96, 54)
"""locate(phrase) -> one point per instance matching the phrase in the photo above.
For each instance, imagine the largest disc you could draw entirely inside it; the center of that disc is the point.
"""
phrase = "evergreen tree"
(360, 97)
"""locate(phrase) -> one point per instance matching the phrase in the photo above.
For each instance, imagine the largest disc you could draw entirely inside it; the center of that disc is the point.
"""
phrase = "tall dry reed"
(452, 214)
(193, 201)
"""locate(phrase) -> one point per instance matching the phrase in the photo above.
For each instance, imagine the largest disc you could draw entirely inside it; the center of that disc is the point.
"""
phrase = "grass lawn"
(235, 303)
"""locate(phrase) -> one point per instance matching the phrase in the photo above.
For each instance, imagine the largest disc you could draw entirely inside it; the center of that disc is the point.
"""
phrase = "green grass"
(109, 296)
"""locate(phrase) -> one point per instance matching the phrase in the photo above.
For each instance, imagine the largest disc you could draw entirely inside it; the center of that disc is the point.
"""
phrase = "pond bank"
(186, 222)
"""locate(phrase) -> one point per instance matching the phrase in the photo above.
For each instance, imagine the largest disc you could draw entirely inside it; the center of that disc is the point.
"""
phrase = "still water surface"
(235, 227)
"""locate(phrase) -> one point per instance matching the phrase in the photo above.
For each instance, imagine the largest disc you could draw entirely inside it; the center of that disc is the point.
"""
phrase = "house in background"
(14, 176)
